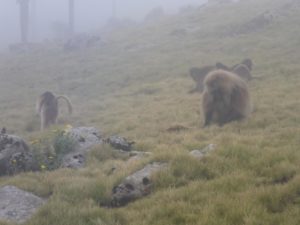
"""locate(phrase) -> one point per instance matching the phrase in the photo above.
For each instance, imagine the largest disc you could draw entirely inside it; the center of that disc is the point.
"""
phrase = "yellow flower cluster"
(68, 128)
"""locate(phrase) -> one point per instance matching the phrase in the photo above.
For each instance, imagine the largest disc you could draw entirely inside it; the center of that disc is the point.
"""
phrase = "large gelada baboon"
(241, 69)
(225, 98)
(47, 108)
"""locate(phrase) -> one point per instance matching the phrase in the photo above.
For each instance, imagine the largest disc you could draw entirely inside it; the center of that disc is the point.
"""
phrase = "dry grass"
(137, 86)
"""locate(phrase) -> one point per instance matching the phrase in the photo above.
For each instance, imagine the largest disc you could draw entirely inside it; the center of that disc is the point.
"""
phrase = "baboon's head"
(47, 95)
(214, 82)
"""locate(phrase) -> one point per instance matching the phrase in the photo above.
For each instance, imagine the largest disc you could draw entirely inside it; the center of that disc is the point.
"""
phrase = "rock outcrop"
(85, 138)
(15, 156)
(119, 143)
(135, 186)
(17, 205)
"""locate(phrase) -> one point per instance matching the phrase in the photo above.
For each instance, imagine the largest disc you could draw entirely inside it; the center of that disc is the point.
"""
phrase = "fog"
(90, 15)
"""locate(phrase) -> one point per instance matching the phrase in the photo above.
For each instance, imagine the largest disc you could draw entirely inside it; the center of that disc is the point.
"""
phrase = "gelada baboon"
(242, 69)
(47, 108)
(198, 75)
(225, 98)
(248, 63)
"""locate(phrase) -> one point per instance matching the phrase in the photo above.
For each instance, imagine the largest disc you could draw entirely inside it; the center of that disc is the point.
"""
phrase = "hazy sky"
(90, 14)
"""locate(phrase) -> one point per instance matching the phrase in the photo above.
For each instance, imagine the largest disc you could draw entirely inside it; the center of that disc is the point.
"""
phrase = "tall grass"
(137, 86)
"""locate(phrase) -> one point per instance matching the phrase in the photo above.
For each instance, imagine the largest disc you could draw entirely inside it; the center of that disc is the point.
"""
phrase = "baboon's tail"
(70, 108)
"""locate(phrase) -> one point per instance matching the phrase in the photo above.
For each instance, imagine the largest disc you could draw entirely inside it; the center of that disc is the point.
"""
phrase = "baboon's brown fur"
(47, 107)
(225, 98)
(198, 75)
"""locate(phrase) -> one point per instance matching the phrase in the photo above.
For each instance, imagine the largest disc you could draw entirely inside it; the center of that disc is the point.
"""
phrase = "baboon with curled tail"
(225, 98)
(47, 108)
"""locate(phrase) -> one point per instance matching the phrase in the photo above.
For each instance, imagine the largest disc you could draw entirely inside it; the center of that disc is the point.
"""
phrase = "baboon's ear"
(221, 66)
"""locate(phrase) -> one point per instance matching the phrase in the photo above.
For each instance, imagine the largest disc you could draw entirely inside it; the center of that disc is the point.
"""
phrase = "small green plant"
(49, 151)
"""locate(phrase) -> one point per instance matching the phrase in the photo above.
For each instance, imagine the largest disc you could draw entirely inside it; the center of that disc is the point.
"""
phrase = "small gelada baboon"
(248, 63)
(47, 108)
(225, 98)
(198, 75)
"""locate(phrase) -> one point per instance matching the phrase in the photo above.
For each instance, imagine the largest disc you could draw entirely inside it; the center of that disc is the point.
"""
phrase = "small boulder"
(119, 143)
(17, 205)
(199, 154)
(136, 185)
(85, 138)
(15, 156)
(135, 155)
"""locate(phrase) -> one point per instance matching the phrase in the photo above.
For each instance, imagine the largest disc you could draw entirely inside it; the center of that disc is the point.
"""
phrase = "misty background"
(90, 15)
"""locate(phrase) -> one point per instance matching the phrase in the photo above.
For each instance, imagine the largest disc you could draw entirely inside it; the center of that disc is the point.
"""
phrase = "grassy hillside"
(136, 85)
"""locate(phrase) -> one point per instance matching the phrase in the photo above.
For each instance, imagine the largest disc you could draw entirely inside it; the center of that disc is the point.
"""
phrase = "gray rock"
(85, 138)
(17, 205)
(15, 156)
(119, 143)
(199, 154)
(136, 185)
(135, 155)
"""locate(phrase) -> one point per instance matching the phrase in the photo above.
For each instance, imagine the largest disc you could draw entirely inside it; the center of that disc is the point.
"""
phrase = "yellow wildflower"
(43, 167)
(68, 128)
(34, 142)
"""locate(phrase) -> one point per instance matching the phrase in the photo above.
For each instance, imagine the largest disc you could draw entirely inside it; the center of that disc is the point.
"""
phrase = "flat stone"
(17, 205)
(135, 186)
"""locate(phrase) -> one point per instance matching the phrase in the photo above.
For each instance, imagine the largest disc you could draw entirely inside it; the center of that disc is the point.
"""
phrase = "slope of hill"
(137, 84)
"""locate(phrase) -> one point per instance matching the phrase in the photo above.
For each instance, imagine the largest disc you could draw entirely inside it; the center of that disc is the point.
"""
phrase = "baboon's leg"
(42, 122)
(229, 117)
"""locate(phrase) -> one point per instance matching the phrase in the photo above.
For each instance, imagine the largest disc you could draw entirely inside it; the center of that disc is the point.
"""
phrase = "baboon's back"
(49, 106)
(225, 98)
